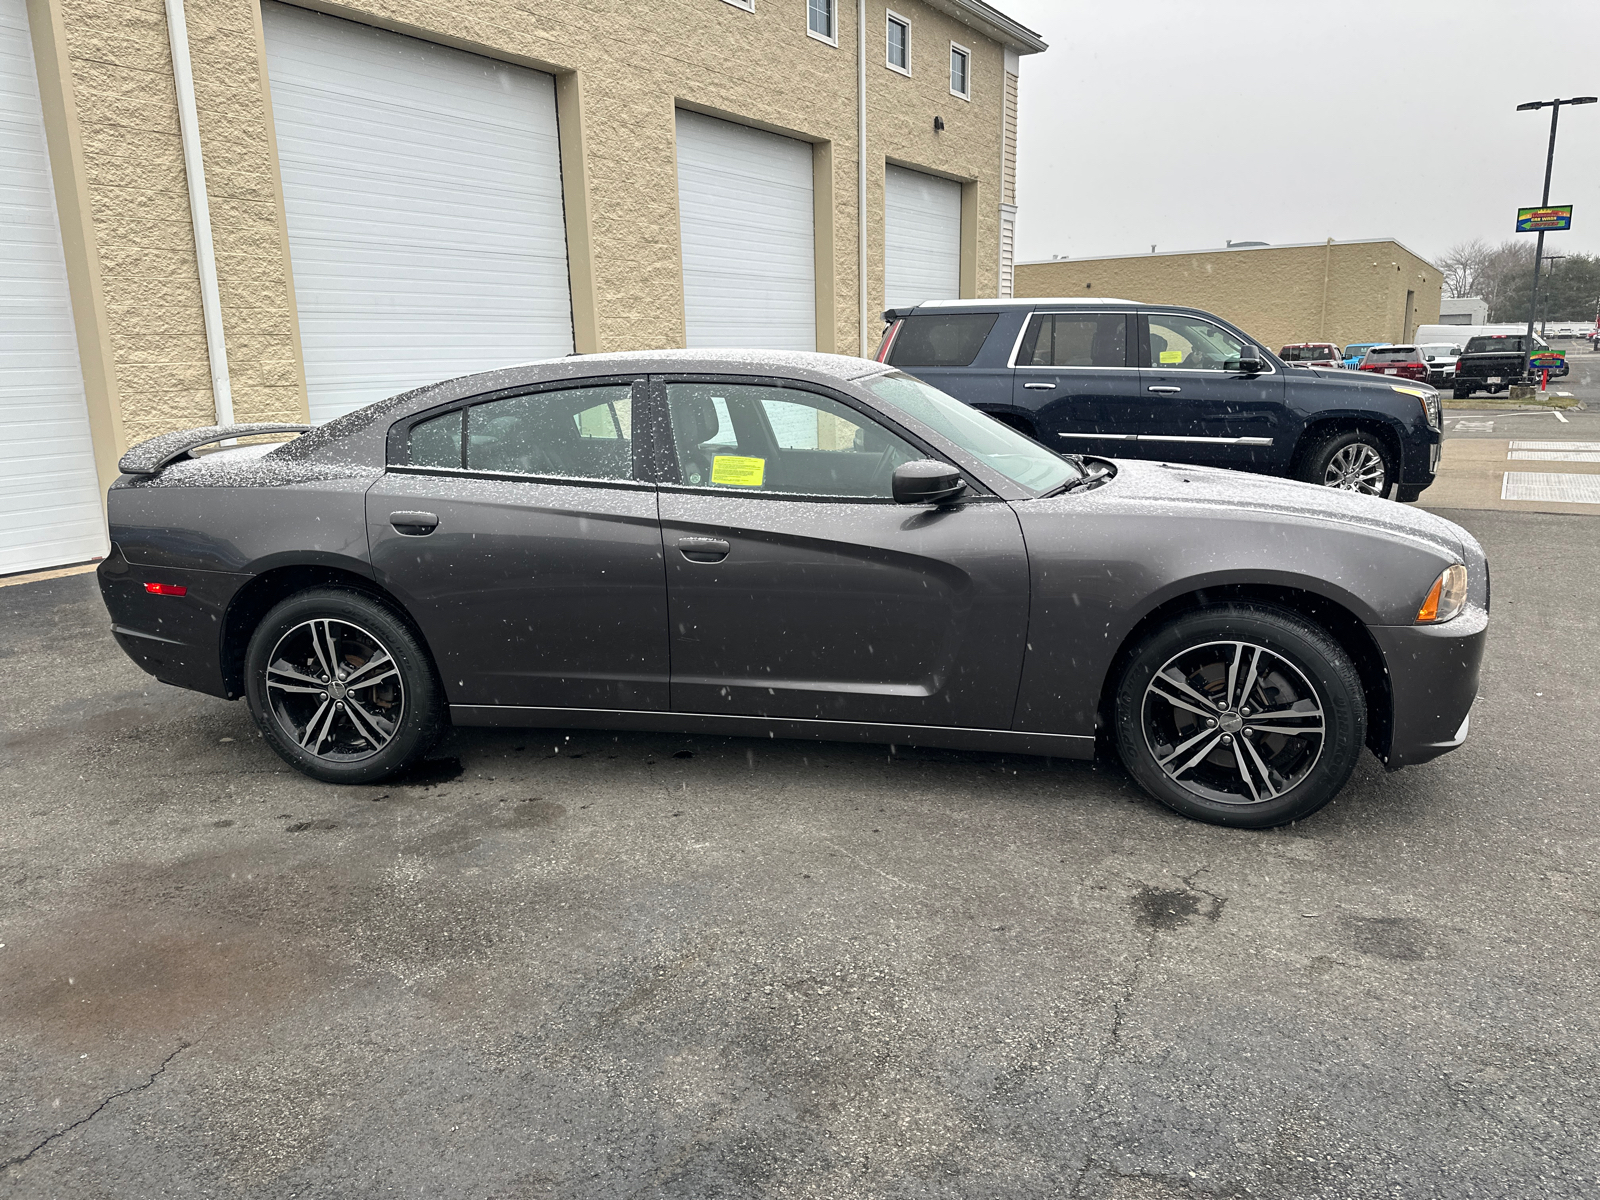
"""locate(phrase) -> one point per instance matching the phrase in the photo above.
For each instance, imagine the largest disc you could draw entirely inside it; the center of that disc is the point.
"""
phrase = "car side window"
(760, 438)
(1181, 343)
(1075, 340)
(584, 432)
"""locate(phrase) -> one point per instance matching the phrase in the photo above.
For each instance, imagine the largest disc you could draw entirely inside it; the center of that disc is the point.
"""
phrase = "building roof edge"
(1034, 262)
(992, 23)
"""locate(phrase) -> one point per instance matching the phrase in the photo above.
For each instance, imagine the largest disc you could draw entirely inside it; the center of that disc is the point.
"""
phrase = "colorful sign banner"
(1547, 360)
(1532, 220)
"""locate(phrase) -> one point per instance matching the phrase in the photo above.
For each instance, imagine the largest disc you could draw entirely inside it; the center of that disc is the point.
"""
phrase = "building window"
(747, 5)
(820, 20)
(960, 71)
(897, 41)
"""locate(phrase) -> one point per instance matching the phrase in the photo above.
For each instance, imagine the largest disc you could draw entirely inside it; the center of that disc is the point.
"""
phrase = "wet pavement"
(648, 966)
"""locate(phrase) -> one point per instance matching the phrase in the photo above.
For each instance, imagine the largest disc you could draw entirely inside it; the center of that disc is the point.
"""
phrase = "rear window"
(1506, 343)
(1308, 354)
(1394, 354)
(941, 339)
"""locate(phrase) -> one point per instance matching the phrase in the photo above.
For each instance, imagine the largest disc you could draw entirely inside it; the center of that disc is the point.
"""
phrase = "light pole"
(1549, 161)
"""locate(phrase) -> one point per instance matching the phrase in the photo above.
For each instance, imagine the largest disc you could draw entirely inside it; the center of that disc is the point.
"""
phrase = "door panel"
(530, 593)
(1074, 379)
(856, 611)
(797, 588)
(1195, 410)
(514, 532)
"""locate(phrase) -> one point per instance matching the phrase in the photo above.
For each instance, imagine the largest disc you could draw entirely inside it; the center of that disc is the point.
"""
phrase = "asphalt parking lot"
(650, 966)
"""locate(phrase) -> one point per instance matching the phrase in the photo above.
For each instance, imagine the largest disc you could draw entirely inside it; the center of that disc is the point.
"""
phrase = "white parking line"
(1557, 455)
(1523, 445)
(1551, 487)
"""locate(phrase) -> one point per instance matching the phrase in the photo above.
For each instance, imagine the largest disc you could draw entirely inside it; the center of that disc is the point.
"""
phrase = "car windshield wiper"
(1091, 477)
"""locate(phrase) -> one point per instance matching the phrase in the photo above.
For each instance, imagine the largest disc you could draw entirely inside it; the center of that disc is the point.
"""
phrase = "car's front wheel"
(341, 687)
(1240, 715)
(1352, 461)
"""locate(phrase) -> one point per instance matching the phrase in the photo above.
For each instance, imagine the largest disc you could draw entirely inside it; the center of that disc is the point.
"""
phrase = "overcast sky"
(1189, 122)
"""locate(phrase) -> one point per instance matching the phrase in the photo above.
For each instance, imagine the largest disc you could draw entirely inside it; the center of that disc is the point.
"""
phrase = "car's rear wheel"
(1240, 715)
(1351, 461)
(341, 688)
(1461, 393)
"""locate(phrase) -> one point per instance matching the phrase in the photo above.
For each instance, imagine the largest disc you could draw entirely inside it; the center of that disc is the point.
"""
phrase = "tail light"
(888, 340)
(166, 589)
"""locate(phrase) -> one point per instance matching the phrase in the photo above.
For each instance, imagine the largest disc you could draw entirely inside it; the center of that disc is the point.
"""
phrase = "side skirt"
(941, 737)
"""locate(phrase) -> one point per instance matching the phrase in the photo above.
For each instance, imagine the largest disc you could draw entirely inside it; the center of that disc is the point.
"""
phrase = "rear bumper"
(1433, 680)
(178, 639)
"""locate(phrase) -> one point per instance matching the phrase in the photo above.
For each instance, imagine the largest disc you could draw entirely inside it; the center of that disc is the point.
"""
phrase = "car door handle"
(703, 549)
(414, 524)
(1041, 387)
(1166, 391)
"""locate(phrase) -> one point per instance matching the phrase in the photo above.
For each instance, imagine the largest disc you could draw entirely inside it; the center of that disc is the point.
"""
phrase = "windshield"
(1308, 353)
(1018, 458)
(1439, 350)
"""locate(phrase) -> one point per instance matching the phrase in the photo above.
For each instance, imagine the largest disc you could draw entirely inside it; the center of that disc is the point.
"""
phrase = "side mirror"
(1247, 363)
(924, 481)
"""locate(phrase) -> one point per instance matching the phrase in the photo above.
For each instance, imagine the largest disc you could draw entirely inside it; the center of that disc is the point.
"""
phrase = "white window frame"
(958, 48)
(745, 5)
(892, 17)
(833, 14)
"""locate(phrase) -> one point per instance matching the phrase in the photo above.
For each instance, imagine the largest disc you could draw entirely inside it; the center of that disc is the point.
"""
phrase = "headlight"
(1430, 402)
(1446, 597)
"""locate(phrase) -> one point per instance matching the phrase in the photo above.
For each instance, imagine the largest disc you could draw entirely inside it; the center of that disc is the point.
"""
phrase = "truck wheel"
(1461, 393)
(1352, 461)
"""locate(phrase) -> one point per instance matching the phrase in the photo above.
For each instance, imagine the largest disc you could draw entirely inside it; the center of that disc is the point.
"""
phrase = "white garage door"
(749, 247)
(921, 238)
(49, 494)
(423, 195)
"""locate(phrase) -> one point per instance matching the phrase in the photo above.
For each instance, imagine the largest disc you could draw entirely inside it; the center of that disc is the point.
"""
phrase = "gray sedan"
(797, 546)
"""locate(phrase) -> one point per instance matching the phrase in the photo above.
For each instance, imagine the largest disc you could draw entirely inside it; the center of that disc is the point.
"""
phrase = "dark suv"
(1131, 380)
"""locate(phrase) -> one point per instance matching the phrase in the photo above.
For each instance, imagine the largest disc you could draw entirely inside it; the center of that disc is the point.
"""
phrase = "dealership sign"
(1547, 360)
(1532, 220)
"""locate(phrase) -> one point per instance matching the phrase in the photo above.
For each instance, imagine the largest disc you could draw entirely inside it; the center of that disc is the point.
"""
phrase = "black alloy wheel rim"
(1233, 722)
(335, 690)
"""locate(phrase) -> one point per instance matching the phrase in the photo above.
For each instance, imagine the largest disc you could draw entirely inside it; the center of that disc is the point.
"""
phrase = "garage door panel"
(49, 493)
(748, 236)
(423, 193)
(922, 237)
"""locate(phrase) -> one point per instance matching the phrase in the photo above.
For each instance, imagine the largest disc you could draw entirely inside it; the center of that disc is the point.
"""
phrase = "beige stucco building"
(576, 176)
(1343, 292)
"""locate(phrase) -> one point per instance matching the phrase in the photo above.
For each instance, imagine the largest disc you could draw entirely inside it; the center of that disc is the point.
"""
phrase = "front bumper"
(1433, 680)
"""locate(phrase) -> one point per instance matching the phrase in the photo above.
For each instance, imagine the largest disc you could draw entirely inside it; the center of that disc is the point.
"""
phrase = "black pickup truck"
(1493, 362)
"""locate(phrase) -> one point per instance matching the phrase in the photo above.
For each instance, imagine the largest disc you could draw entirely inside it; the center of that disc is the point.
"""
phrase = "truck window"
(1503, 344)
(1075, 340)
(941, 339)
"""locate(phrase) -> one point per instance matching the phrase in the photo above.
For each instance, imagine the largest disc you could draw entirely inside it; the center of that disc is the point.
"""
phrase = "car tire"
(1280, 771)
(1352, 460)
(374, 719)
(1461, 393)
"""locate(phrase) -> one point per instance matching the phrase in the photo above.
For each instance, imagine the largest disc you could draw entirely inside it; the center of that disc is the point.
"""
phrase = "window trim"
(1016, 346)
(669, 478)
(833, 16)
(397, 443)
(958, 48)
(892, 17)
(743, 5)
(1144, 345)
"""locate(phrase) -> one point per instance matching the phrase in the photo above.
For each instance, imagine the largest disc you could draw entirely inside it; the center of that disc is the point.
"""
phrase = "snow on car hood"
(1167, 484)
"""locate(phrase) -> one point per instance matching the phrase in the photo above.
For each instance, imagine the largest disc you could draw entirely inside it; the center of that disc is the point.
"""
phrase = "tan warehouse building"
(282, 212)
(1330, 291)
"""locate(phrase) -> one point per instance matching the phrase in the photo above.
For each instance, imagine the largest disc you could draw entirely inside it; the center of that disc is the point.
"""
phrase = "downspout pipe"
(861, 164)
(200, 211)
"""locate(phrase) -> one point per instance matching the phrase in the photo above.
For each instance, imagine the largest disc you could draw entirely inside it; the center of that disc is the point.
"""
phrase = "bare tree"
(1463, 266)
(1507, 273)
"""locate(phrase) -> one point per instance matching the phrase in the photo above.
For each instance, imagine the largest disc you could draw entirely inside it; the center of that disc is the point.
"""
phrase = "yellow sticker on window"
(734, 471)
(1172, 356)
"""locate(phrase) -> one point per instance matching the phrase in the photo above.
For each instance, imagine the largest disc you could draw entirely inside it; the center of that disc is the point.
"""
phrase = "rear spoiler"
(155, 455)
